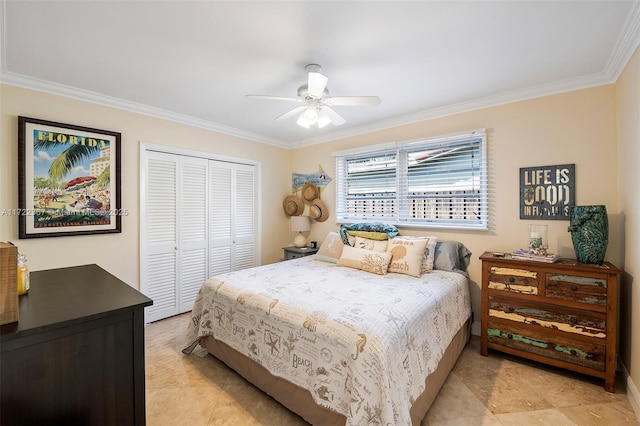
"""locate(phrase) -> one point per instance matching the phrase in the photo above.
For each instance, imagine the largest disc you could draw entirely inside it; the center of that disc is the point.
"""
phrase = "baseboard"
(632, 390)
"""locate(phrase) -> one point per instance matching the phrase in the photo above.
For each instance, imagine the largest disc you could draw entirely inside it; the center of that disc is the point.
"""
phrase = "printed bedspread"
(362, 344)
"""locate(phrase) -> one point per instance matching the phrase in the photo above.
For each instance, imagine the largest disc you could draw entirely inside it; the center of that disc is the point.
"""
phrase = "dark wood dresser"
(76, 354)
(562, 313)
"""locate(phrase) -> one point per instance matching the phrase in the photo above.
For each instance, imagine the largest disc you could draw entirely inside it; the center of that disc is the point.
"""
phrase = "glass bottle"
(23, 274)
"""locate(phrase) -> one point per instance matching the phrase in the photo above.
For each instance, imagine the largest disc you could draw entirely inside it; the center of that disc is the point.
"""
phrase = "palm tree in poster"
(67, 159)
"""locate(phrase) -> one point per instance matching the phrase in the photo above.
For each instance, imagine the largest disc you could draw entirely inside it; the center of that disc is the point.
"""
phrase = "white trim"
(534, 92)
(13, 79)
(366, 149)
(632, 390)
(369, 149)
(151, 146)
(626, 45)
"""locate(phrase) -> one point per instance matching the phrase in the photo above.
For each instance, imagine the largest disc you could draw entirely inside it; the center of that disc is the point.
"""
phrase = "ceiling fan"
(315, 97)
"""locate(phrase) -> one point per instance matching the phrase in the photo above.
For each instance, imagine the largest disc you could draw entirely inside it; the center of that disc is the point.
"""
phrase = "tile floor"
(495, 390)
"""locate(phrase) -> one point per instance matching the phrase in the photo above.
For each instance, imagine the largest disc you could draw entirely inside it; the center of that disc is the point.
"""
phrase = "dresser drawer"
(542, 343)
(513, 280)
(576, 321)
(588, 290)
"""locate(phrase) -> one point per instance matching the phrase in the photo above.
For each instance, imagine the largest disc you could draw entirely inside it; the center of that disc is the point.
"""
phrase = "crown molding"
(100, 99)
(539, 91)
(626, 45)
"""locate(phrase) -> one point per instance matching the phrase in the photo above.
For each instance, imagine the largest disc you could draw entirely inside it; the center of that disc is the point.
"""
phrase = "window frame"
(401, 216)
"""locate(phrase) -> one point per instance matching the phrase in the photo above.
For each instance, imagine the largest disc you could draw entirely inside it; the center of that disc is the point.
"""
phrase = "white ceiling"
(193, 61)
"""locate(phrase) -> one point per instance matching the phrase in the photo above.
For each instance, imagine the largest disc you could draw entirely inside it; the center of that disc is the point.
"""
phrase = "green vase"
(589, 227)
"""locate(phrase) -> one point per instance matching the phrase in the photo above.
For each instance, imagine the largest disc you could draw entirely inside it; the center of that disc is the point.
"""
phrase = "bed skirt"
(299, 400)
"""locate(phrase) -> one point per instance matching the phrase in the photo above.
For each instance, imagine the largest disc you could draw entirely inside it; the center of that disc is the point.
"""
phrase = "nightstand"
(296, 252)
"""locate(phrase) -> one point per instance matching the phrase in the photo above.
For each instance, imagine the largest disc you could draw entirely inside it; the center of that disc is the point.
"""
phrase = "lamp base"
(300, 241)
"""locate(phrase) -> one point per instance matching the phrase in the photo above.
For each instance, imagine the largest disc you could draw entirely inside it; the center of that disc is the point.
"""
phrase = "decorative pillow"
(390, 230)
(369, 234)
(407, 255)
(375, 245)
(331, 248)
(366, 260)
(347, 239)
(429, 254)
(429, 251)
(451, 256)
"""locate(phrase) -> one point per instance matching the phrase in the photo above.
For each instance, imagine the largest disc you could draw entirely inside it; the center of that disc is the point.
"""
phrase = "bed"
(337, 345)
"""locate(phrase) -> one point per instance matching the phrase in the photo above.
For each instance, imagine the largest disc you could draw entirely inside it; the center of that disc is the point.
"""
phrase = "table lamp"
(300, 224)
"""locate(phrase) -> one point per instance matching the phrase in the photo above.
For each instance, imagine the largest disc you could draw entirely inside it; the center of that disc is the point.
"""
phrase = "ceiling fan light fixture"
(315, 96)
(323, 118)
(311, 114)
(303, 122)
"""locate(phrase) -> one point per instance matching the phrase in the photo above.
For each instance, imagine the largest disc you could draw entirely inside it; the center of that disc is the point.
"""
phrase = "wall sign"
(319, 179)
(547, 192)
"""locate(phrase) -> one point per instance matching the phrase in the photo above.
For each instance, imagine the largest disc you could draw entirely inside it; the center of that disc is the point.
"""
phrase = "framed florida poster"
(69, 179)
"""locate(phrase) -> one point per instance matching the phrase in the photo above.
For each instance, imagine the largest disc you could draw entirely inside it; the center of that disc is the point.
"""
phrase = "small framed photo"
(69, 180)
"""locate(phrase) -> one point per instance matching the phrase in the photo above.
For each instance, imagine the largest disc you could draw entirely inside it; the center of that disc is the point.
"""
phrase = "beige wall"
(119, 253)
(576, 127)
(628, 126)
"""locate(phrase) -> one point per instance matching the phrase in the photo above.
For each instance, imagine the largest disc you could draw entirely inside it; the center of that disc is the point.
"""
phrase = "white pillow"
(408, 254)
(369, 244)
(429, 254)
(331, 248)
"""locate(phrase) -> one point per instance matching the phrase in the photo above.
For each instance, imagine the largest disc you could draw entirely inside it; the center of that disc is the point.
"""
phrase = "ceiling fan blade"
(353, 100)
(277, 98)
(336, 120)
(316, 84)
(291, 113)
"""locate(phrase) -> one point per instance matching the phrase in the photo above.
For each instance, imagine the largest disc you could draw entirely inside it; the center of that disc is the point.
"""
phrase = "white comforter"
(362, 344)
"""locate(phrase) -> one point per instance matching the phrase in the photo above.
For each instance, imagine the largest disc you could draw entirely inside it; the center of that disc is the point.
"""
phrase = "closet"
(197, 219)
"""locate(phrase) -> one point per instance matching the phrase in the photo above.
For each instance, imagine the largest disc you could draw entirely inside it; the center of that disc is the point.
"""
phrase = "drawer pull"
(573, 320)
(509, 336)
(574, 352)
(511, 309)
(574, 288)
(512, 280)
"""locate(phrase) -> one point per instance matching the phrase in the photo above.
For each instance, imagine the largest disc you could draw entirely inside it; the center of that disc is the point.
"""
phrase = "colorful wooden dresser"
(562, 313)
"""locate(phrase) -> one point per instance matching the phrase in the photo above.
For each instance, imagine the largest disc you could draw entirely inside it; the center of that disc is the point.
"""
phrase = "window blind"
(438, 182)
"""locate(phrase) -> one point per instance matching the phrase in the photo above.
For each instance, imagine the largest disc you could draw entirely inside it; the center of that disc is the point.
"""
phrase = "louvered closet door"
(231, 217)
(159, 268)
(192, 230)
(244, 216)
(175, 242)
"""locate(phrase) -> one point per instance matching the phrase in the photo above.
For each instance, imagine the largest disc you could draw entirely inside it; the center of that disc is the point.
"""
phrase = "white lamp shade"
(300, 223)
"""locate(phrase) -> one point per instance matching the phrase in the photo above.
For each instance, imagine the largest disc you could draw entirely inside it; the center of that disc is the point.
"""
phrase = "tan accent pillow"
(408, 254)
(369, 234)
(331, 248)
(366, 243)
(367, 260)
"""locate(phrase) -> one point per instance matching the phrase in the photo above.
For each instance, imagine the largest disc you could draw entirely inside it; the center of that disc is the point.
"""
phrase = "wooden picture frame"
(69, 180)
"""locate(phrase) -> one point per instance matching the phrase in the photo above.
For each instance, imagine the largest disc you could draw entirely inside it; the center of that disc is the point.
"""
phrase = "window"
(439, 182)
